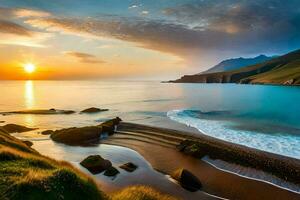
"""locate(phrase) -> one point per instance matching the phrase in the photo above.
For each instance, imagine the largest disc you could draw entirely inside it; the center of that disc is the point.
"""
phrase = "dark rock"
(112, 171)
(14, 128)
(93, 110)
(47, 132)
(110, 125)
(96, 164)
(187, 180)
(77, 136)
(129, 167)
(191, 148)
(28, 143)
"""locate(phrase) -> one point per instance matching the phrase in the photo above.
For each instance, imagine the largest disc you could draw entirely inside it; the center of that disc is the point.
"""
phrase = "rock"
(51, 111)
(110, 125)
(47, 132)
(112, 171)
(129, 167)
(289, 82)
(187, 180)
(28, 143)
(93, 110)
(77, 136)
(191, 148)
(96, 164)
(14, 128)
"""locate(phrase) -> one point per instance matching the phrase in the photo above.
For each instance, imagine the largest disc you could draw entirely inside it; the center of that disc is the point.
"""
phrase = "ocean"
(258, 116)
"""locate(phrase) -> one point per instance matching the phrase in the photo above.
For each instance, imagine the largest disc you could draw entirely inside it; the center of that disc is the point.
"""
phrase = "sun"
(29, 68)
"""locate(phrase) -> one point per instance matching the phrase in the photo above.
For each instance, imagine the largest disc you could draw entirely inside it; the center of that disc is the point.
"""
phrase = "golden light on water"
(29, 94)
(29, 68)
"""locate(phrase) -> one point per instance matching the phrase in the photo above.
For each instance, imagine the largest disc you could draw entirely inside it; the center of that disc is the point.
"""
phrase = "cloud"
(145, 12)
(193, 31)
(83, 57)
(13, 28)
(6, 13)
(15, 33)
(133, 6)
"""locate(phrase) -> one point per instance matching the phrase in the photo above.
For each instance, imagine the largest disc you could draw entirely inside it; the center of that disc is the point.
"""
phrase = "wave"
(227, 126)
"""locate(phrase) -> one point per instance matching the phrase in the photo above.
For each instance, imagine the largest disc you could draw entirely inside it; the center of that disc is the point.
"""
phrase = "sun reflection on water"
(29, 95)
(29, 101)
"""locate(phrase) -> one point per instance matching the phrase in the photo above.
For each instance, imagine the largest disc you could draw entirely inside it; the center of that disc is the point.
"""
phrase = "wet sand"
(158, 146)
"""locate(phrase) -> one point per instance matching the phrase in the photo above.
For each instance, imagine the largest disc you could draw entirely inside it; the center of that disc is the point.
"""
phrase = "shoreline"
(160, 156)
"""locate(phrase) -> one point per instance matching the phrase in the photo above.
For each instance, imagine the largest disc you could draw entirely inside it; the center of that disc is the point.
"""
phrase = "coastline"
(166, 159)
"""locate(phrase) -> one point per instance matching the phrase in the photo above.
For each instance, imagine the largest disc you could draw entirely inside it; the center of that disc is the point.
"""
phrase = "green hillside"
(280, 70)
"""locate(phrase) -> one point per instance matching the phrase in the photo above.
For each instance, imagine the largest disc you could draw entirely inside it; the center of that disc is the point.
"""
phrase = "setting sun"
(29, 68)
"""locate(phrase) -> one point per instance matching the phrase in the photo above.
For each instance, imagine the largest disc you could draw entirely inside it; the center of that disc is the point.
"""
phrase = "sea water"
(258, 116)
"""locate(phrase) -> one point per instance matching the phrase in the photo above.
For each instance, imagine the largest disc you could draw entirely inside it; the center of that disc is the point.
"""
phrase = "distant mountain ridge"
(282, 70)
(236, 63)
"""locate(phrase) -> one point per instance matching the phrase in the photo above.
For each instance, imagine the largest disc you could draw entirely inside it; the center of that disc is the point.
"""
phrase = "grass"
(27, 175)
(140, 193)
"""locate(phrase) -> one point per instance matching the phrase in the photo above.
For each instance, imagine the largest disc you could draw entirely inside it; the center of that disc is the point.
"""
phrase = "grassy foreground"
(25, 174)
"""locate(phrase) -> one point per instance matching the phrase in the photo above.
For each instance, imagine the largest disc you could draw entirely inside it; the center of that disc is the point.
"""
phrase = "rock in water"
(96, 164)
(187, 180)
(110, 125)
(129, 167)
(14, 128)
(47, 132)
(112, 171)
(93, 110)
(28, 143)
(77, 136)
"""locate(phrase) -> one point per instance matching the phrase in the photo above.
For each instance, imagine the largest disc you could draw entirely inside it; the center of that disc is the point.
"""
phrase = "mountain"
(236, 63)
(280, 70)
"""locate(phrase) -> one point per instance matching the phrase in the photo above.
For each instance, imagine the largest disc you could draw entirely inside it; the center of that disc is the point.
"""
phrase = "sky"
(139, 39)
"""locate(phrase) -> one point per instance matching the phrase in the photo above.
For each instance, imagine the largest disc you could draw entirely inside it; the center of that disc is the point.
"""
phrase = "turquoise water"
(263, 117)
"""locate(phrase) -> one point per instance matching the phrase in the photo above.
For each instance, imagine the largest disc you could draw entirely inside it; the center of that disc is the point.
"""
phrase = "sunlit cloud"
(6, 13)
(84, 57)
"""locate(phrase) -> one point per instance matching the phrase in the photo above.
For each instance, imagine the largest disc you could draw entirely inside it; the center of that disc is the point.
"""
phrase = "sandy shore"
(158, 146)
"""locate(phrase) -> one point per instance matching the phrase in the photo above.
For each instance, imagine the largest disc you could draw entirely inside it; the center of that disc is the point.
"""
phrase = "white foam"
(279, 143)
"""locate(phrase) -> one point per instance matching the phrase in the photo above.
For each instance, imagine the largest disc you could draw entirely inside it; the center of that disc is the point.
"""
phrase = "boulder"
(93, 110)
(77, 136)
(187, 180)
(110, 125)
(129, 167)
(14, 128)
(112, 171)
(96, 164)
(28, 143)
(191, 148)
(47, 132)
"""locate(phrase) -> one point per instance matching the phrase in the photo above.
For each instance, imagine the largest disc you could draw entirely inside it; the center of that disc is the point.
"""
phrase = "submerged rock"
(77, 136)
(51, 111)
(191, 148)
(187, 180)
(28, 143)
(129, 167)
(14, 128)
(112, 171)
(110, 125)
(85, 135)
(47, 132)
(96, 164)
(93, 110)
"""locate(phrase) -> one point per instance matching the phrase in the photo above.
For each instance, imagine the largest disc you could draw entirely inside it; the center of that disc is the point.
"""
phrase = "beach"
(154, 149)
